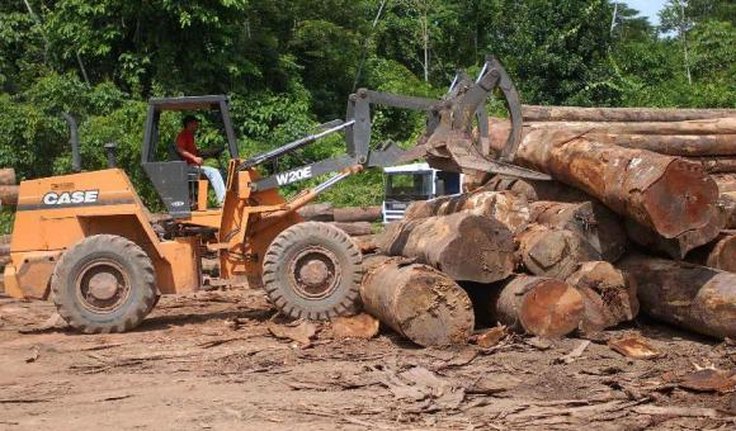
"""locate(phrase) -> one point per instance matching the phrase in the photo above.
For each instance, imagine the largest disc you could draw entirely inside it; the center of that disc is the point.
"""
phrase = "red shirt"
(185, 142)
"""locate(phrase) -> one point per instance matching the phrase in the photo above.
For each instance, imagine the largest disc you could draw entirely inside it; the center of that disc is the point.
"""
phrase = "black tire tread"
(93, 244)
(333, 235)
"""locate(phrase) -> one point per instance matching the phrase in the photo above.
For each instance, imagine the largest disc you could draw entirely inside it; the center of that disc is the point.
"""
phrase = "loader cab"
(415, 182)
(172, 178)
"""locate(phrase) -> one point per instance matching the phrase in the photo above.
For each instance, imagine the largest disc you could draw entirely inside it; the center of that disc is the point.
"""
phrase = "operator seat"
(194, 174)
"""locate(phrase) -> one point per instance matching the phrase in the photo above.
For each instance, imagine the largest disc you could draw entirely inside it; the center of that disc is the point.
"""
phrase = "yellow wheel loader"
(87, 241)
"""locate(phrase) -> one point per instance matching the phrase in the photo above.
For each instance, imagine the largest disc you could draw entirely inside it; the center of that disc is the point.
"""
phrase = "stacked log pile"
(355, 221)
(8, 198)
(8, 187)
(632, 219)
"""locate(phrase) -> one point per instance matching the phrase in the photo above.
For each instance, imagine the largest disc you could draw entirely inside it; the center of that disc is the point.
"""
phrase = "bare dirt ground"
(209, 361)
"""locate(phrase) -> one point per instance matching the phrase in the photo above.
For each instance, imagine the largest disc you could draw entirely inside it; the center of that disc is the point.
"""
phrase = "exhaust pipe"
(74, 141)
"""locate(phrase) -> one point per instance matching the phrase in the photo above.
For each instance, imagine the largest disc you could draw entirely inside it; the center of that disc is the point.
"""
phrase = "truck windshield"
(409, 186)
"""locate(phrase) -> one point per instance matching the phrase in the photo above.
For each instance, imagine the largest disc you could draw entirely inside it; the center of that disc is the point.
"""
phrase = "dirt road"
(209, 361)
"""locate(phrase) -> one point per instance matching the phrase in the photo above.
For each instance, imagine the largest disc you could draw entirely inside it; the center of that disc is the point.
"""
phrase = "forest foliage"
(289, 65)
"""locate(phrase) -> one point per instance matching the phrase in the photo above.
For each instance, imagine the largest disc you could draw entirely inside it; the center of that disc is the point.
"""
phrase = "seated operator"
(188, 151)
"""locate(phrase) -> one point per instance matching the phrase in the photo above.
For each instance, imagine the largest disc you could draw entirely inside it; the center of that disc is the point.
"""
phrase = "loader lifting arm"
(446, 144)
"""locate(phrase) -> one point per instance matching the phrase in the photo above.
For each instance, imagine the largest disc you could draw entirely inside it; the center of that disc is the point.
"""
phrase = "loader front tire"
(313, 270)
(103, 284)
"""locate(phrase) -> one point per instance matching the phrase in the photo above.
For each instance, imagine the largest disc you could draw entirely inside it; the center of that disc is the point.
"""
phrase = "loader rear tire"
(103, 284)
(313, 270)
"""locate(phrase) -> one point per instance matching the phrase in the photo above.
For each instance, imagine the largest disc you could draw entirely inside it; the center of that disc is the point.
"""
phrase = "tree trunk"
(317, 212)
(719, 254)
(725, 182)
(534, 190)
(575, 113)
(717, 126)
(7, 177)
(693, 297)
(679, 246)
(553, 252)
(353, 214)
(8, 195)
(463, 246)
(716, 165)
(727, 207)
(666, 193)
(609, 296)
(594, 223)
(674, 145)
(506, 207)
(541, 306)
(357, 228)
(417, 301)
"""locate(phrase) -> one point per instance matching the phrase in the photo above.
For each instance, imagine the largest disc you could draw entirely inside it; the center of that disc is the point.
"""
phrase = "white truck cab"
(415, 182)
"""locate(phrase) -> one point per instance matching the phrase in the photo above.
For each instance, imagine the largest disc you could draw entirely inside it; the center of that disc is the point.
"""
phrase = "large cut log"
(576, 113)
(352, 214)
(358, 228)
(674, 145)
(534, 190)
(727, 208)
(317, 212)
(665, 193)
(679, 246)
(7, 177)
(601, 229)
(693, 297)
(725, 182)
(553, 252)
(608, 225)
(506, 207)
(542, 306)
(716, 165)
(609, 295)
(718, 126)
(417, 301)
(9, 195)
(719, 254)
(464, 246)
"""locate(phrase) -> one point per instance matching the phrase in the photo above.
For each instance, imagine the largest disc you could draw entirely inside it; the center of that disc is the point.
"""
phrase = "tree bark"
(8, 195)
(540, 306)
(353, 214)
(674, 145)
(7, 177)
(463, 246)
(609, 296)
(727, 207)
(717, 126)
(725, 182)
(693, 297)
(417, 301)
(716, 165)
(357, 228)
(594, 223)
(553, 252)
(317, 212)
(666, 193)
(719, 254)
(506, 207)
(575, 113)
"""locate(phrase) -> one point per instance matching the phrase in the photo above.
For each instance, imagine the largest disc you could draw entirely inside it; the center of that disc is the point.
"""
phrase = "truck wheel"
(104, 283)
(313, 270)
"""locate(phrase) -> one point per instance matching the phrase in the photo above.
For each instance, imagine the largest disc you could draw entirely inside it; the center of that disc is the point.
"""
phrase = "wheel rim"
(315, 273)
(102, 286)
